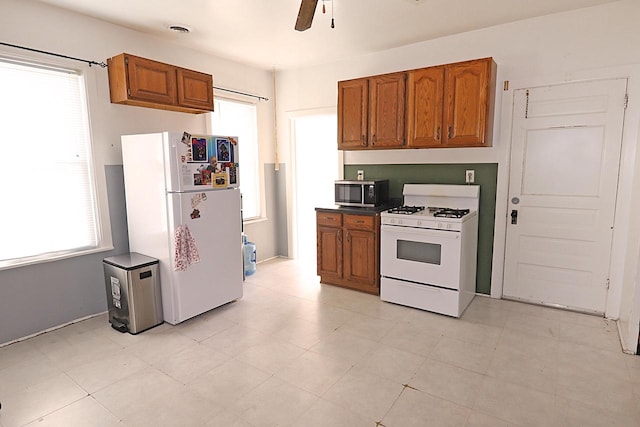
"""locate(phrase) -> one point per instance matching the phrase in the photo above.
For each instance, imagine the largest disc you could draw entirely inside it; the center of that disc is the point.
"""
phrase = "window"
(236, 118)
(48, 201)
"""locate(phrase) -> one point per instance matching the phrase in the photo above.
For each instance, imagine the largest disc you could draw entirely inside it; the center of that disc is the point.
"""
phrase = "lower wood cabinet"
(348, 250)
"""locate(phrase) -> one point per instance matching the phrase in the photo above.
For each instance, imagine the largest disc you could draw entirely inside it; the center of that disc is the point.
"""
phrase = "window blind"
(46, 179)
(240, 119)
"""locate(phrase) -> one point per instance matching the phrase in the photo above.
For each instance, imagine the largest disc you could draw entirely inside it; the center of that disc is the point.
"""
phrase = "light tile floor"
(293, 352)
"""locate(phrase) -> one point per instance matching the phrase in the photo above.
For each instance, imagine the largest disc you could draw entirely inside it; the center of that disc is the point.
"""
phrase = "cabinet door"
(353, 98)
(195, 89)
(151, 81)
(425, 94)
(360, 257)
(386, 110)
(329, 251)
(467, 93)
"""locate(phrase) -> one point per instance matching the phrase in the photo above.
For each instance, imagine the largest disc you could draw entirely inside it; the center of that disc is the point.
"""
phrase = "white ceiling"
(261, 33)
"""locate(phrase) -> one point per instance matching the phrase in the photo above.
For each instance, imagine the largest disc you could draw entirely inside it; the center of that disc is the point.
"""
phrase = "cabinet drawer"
(329, 219)
(360, 222)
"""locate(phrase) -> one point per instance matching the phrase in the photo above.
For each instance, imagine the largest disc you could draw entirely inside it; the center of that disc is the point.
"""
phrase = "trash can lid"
(130, 261)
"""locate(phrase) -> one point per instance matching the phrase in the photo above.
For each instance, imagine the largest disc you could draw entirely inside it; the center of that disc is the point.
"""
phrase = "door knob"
(514, 216)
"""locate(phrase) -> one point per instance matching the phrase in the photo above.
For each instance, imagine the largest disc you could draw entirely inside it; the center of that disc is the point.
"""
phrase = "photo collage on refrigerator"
(209, 161)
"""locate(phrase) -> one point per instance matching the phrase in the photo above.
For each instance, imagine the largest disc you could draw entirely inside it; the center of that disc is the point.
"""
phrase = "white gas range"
(428, 248)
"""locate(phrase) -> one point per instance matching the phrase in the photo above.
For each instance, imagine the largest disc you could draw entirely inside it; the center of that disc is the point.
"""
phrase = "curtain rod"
(260, 98)
(101, 64)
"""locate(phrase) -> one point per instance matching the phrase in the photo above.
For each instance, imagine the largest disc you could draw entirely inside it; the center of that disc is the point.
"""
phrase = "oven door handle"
(421, 231)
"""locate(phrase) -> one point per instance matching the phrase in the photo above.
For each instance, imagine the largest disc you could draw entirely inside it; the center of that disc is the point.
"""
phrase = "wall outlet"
(360, 175)
(470, 176)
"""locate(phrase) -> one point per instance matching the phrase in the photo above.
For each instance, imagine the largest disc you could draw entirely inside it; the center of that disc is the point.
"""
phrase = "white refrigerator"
(184, 208)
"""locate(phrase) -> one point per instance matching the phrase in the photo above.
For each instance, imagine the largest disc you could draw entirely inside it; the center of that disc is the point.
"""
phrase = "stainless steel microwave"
(368, 193)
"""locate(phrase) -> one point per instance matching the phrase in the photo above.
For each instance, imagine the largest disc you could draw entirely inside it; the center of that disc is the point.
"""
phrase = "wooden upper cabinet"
(386, 110)
(151, 81)
(146, 83)
(469, 89)
(443, 106)
(194, 89)
(425, 91)
(353, 111)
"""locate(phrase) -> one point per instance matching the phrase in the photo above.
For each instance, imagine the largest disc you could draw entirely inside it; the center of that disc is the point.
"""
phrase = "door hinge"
(607, 283)
(626, 100)
(526, 106)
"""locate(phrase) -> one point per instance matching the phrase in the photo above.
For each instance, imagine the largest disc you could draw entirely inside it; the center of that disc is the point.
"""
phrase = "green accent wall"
(486, 175)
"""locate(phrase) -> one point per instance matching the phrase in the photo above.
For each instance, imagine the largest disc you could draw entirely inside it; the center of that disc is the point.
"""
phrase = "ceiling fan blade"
(305, 15)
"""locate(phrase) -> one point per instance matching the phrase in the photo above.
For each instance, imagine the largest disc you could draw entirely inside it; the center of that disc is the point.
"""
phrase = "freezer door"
(202, 162)
(213, 219)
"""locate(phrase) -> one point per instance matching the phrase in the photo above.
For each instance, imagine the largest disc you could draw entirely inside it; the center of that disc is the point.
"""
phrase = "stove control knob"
(419, 223)
(399, 221)
(448, 225)
(440, 225)
(392, 221)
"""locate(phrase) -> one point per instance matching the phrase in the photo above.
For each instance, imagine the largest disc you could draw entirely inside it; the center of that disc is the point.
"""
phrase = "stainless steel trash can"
(133, 292)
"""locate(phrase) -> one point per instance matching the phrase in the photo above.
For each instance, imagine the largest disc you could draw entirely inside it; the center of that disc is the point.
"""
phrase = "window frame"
(260, 184)
(97, 177)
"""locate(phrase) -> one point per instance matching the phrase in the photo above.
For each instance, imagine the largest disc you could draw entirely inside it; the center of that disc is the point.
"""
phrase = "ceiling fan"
(305, 15)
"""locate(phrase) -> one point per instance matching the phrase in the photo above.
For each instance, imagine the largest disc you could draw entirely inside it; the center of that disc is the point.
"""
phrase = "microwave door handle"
(362, 199)
(422, 232)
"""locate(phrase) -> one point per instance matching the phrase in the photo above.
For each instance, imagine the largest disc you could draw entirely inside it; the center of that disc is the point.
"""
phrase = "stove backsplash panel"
(486, 175)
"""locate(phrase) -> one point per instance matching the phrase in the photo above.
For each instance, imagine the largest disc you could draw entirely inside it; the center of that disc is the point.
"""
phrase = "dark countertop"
(360, 211)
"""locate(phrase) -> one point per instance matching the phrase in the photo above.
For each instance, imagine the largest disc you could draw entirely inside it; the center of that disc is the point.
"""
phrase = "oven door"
(420, 255)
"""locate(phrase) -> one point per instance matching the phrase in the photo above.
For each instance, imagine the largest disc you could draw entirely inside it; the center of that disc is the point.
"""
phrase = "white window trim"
(263, 204)
(97, 166)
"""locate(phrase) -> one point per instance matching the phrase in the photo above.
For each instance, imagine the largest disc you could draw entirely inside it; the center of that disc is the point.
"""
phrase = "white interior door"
(564, 169)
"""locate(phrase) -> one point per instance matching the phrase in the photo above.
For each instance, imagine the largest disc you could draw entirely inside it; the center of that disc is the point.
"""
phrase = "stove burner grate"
(450, 213)
(407, 210)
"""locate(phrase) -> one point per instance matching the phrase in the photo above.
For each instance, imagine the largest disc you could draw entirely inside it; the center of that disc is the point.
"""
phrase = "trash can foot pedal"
(119, 326)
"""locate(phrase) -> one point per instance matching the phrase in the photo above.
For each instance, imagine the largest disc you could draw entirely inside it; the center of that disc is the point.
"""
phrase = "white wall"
(41, 296)
(38, 26)
(594, 42)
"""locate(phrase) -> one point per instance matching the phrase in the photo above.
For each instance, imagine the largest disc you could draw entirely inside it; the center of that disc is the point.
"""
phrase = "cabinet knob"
(450, 133)
(363, 140)
(438, 134)
(348, 237)
(373, 139)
